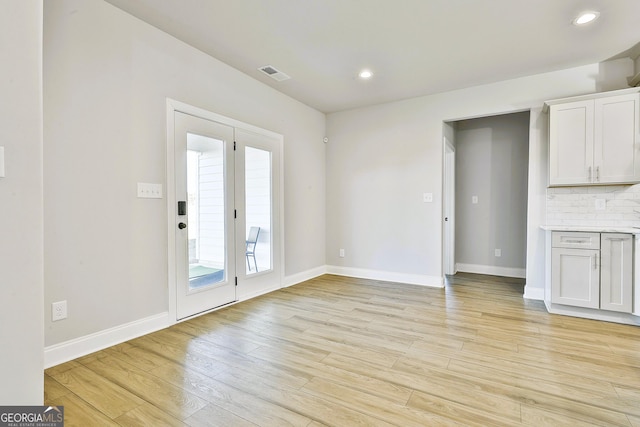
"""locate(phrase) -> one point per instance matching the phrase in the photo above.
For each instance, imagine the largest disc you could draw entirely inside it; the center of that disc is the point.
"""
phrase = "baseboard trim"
(252, 295)
(72, 349)
(587, 313)
(78, 347)
(491, 270)
(303, 276)
(533, 293)
(387, 276)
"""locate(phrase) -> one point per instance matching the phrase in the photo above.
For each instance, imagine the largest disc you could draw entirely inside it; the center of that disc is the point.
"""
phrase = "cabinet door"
(571, 143)
(575, 277)
(616, 157)
(616, 272)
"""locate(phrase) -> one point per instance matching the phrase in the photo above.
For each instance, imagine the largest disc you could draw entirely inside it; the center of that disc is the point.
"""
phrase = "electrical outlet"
(58, 310)
(341, 253)
(498, 253)
(474, 200)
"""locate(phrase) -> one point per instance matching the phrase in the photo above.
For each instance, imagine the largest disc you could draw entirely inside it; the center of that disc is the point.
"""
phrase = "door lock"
(182, 226)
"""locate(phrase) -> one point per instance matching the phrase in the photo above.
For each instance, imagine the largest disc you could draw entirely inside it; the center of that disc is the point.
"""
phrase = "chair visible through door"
(252, 240)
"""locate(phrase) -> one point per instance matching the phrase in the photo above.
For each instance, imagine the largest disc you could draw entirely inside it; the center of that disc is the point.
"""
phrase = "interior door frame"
(173, 106)
(449, 191)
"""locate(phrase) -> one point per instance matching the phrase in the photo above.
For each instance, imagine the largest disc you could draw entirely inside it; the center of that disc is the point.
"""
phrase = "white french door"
(225, 210)
(258, 201)
(204, 220)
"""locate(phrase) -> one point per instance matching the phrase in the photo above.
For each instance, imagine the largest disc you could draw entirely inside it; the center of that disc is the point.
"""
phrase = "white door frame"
(171, 108)
(448, 208)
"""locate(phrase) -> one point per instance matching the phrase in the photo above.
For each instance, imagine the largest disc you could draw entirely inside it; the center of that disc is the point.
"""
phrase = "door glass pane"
(258, 209)
(206, 211)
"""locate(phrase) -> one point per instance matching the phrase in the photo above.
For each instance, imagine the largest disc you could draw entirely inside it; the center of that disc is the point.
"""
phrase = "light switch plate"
(601, 204)
(427, 197)
(474, 199)
(149, 191)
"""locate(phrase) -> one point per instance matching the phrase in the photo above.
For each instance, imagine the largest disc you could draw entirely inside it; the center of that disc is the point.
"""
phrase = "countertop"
(591, 229)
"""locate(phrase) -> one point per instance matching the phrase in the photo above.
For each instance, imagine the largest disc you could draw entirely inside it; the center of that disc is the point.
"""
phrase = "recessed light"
(365, 74)
(586, 17)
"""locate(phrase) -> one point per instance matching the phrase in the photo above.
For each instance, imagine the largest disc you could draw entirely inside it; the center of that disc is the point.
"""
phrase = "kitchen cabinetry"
(575, 269)
(592, 270)
(616, 272)
(594, 139)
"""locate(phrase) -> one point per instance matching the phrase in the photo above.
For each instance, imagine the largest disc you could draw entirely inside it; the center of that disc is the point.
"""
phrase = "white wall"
(21, 247)
(492, 156)
(381, 159)
(106, 79)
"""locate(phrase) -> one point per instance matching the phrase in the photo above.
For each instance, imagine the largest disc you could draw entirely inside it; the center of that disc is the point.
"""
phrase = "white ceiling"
(414, 47)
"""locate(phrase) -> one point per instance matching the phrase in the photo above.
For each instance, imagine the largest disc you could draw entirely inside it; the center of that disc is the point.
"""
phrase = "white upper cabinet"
(571, 143)
(616, 157)
(594, 139)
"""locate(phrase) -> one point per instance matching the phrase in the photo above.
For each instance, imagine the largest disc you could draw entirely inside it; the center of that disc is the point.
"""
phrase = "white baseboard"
(294, 279)
(533, 293)
(78, 347)
(72, 349)
(388, 276)
(588, 313)
(491, 270)
(246, 297)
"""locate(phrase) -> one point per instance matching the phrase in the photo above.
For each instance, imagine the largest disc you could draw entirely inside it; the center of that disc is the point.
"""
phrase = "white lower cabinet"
(616, 272)
(575, 277)
(592, 270)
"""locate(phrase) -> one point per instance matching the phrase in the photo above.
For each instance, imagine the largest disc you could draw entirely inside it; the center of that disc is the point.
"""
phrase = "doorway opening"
(489, 191)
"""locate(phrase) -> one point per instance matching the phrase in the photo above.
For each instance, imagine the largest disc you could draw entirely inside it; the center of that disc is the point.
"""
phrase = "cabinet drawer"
(575, 240)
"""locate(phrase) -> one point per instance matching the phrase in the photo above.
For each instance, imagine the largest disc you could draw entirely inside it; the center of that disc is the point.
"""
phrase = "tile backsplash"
(577, 206)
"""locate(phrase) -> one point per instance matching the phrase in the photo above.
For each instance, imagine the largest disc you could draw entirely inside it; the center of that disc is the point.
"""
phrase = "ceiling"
(413, 47)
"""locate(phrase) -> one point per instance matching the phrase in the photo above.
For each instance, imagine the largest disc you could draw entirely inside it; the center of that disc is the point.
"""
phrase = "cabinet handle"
(598, 173)
(575, 241)
(616, 239)
(589, 173)
(595, 262)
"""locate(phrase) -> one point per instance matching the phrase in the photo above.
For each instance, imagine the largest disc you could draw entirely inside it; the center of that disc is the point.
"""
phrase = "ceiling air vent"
(273, 73)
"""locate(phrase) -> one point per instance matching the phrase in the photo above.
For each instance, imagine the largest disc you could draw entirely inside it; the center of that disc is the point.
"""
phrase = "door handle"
(182, 226)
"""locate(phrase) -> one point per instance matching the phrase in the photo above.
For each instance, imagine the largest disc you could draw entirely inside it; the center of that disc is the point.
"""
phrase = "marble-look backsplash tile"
(577, 206)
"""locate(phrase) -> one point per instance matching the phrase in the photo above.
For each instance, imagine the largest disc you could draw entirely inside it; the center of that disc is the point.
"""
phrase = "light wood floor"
(351, 352)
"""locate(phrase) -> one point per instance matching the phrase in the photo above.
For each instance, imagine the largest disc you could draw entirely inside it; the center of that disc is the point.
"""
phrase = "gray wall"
(21, 220)
(382, 158)
(492, 157)
(107, 76)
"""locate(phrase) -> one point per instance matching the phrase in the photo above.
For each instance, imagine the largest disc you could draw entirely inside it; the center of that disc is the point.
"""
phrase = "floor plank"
(339, 351)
